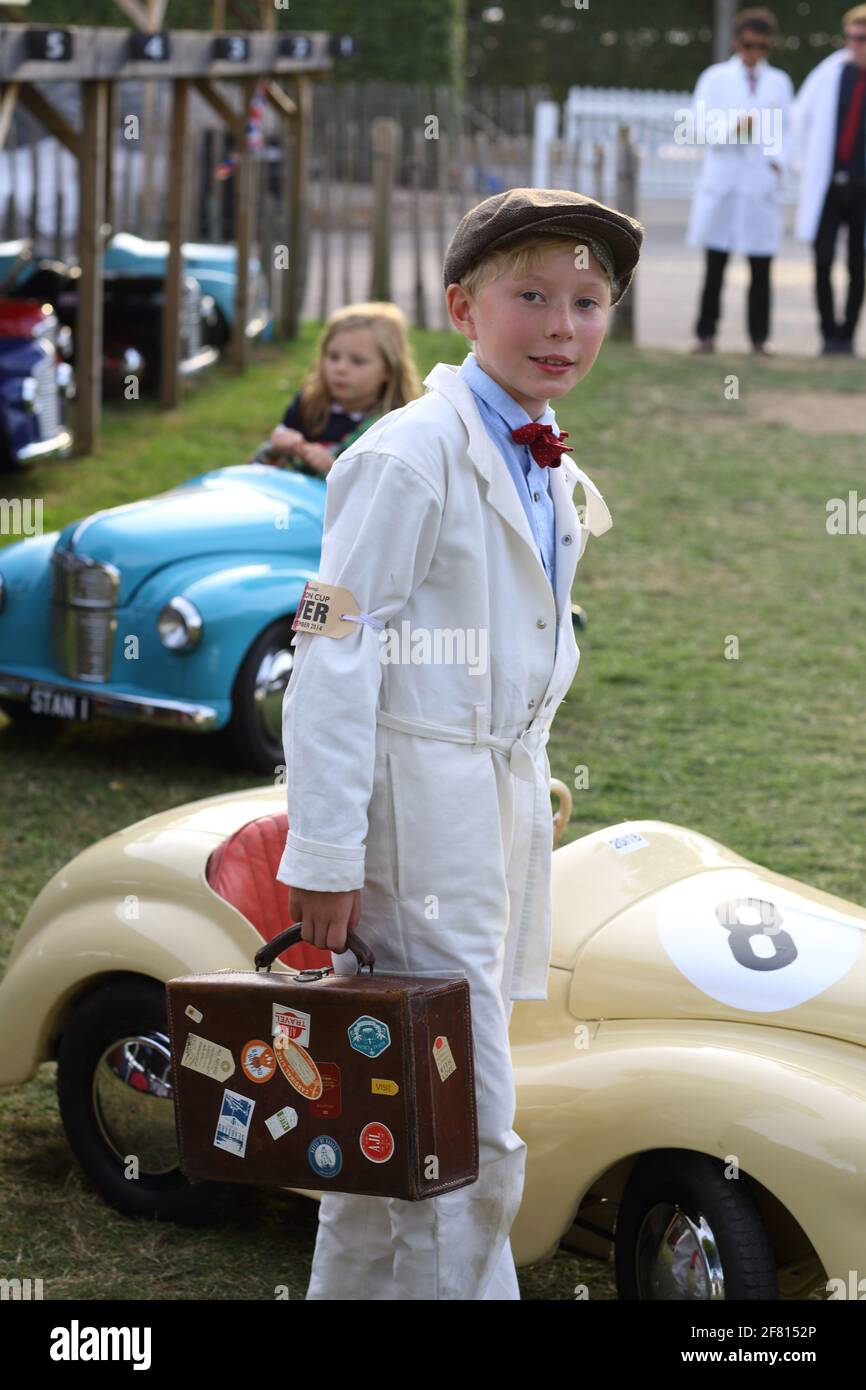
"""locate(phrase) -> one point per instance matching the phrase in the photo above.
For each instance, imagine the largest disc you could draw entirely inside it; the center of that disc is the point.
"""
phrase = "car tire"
(254, 733)
(101, 1109)
(718, 1248)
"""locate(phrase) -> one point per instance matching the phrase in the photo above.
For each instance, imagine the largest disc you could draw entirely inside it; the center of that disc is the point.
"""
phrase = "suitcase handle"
(290, 936)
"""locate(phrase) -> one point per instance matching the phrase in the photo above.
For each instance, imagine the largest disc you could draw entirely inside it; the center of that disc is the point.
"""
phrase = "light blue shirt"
(501, 414)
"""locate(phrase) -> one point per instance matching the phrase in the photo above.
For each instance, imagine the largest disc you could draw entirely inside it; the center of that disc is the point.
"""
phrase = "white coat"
(428, 784)
(450, 841)
(813, 127)
(736, 201)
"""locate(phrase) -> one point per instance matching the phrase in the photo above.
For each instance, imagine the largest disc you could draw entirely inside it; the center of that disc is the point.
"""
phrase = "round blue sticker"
(325, 1156)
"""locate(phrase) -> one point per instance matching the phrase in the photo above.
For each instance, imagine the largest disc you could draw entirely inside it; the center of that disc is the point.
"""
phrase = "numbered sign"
(296, 46)
(149, 48)
(233, 48)
(342, 46)
(49, 45)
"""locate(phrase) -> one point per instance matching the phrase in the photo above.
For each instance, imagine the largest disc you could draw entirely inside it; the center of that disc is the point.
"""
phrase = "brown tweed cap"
(522, 212)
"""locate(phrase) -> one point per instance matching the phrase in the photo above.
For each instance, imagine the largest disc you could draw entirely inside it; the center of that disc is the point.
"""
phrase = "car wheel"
(114, 1090)
(256, 729)
(685, 1231)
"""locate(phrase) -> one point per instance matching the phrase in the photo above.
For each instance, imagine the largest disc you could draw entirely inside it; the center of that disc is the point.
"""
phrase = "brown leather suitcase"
(361, 1083)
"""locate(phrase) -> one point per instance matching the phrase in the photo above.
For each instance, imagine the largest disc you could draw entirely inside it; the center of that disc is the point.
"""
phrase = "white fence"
(592, 115)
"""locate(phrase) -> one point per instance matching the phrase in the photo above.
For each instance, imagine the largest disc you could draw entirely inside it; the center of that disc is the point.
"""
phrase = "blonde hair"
(855, 16)
(388, 327)
(519, 258)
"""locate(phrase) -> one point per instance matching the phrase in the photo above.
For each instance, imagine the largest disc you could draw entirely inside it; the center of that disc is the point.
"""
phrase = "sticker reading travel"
(369, 1035)
(444, 1058)
(292, 1023)
(298, 1067)
(377, 1142)
(208, 1058)
(258, 1061)
(233, 1125)
(320, 608)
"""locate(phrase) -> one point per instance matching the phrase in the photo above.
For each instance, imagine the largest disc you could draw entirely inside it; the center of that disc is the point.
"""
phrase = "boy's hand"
(326, 917)
(286, 441)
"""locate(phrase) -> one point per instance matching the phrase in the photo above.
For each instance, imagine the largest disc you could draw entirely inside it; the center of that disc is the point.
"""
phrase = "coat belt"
(520, 750)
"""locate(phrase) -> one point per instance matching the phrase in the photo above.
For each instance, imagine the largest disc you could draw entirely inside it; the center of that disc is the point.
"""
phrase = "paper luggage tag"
(320, 608)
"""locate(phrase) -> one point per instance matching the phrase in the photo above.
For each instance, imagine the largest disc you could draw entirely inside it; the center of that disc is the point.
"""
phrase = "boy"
(427, 782)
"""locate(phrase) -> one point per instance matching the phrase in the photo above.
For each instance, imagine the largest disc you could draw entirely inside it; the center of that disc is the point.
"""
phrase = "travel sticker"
(380, 1087)
(258, 1061)
(298, 1067)
(282, 1122)
(208, 1058)
(192, 1012)
(325, 1156)
(233, 1124)
(444, 1058)
(292, 1023)
(328, 1105)
(377, 1142)
(369, 1035)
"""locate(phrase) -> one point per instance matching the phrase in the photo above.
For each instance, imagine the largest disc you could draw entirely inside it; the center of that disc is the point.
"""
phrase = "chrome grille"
(84, 599)
(47, 394)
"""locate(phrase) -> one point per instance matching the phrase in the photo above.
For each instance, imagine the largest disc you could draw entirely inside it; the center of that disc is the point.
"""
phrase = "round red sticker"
(377, 1142)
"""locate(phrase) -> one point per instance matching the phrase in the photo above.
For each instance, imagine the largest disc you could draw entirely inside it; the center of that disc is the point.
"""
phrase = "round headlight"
(180, 625)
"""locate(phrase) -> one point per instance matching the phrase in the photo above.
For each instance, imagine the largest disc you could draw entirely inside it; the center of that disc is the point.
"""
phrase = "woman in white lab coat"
(736, 203)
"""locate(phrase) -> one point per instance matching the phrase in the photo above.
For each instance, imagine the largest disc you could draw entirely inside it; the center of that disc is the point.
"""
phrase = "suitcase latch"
(305, 975)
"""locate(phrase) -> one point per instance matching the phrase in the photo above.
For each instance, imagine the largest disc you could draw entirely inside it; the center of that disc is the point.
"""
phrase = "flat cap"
(519, 213)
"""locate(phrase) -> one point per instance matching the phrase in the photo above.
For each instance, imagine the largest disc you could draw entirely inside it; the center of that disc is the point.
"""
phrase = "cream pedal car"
(692, 1092)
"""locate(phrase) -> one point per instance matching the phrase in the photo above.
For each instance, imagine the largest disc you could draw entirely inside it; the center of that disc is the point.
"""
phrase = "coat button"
(541, 622)
(566, 540)
(536, 496)
(531, 704)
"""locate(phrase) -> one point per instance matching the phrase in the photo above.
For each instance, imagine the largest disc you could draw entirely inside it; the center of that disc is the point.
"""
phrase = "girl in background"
(363, 369)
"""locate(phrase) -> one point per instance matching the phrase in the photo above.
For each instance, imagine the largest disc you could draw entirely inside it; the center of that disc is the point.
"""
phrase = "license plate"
(59, 704)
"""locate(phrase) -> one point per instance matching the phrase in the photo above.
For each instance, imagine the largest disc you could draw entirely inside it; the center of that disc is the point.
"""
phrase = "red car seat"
(242, 870)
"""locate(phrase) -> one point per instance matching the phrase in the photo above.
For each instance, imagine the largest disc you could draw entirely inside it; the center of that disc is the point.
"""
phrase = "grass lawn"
(719, 510)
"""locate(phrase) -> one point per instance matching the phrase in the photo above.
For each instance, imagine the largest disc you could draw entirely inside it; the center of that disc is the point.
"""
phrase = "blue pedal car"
(175, 610)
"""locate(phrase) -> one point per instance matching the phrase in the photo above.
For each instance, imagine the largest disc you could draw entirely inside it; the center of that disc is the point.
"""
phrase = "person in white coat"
(739, 112)
(829, 130)
(422, 780)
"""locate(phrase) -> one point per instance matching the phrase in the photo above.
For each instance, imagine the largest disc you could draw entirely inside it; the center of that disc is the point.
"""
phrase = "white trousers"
(455, 1246)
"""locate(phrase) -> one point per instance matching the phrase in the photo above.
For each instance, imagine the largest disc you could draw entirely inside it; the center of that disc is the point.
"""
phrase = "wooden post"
(110, 154)
(245, 169)
(169, 386)
(419, 298)
(88, 355)
(384, 136)
(325, 220)
(296, 194)
(623, 325)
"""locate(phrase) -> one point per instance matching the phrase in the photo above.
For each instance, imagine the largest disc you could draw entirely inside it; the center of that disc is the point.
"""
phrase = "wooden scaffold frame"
(99, 58)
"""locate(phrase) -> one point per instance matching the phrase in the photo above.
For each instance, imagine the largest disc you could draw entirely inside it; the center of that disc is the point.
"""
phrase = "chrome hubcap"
(133, 1102)
(272, 677)
(677, 1258)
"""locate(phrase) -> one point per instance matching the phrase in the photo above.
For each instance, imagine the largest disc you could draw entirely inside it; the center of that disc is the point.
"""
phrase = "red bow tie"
(545, 447)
